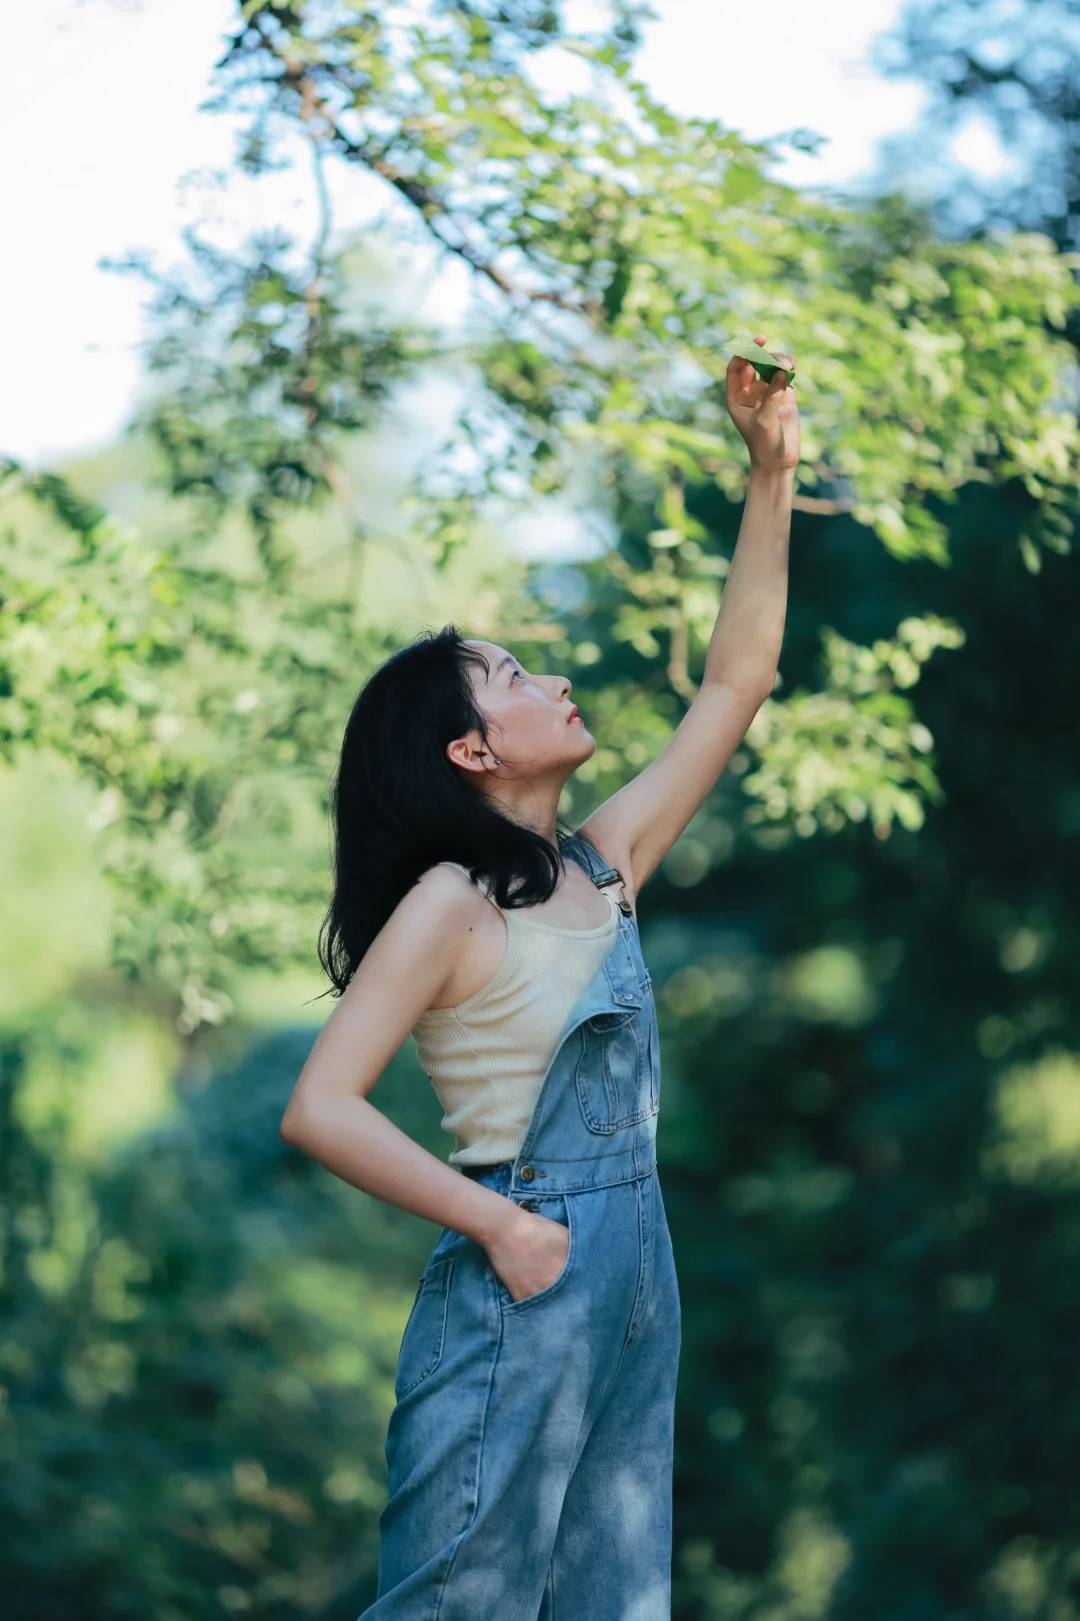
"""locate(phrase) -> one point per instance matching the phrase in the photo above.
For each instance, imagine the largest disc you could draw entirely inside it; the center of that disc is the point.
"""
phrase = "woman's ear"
(469, 752)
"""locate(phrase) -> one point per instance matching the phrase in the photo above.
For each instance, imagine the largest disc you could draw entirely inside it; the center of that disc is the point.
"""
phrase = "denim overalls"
(530, 1448)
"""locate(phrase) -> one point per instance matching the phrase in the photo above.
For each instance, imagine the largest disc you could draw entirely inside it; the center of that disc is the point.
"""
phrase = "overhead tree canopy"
(614, 248)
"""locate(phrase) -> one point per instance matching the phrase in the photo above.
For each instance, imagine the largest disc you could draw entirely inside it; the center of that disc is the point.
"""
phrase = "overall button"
(526, 1173)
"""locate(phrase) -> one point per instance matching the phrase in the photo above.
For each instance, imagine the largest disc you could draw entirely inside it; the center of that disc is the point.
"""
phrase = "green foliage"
(870, 1151)
(260, 371)
(197, 1352)
(190, 701)
(47, 856)
(855, 748)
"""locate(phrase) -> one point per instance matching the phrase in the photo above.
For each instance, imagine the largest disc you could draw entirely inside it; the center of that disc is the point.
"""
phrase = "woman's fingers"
(746, 389)
(740, 374)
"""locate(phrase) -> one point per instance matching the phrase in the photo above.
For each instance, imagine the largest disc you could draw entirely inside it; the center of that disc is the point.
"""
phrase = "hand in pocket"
(529, 1254)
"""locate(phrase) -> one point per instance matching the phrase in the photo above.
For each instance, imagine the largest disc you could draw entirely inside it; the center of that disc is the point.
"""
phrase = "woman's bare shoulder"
(443, 895)
(410, 965)
(446, 879)
(422, 937)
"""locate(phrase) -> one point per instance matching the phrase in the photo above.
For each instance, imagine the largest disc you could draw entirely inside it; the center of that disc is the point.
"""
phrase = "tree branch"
(424, 199)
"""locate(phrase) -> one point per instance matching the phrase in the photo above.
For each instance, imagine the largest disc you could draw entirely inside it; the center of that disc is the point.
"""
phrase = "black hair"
(399, 804)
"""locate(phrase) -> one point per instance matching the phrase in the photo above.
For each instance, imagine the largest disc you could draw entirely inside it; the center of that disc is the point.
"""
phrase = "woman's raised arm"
(637, 826)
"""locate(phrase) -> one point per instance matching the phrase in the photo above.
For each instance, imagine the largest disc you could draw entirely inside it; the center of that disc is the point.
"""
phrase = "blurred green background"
(865, 945)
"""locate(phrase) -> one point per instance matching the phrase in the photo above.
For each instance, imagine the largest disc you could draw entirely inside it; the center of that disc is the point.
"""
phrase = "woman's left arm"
(637, 826)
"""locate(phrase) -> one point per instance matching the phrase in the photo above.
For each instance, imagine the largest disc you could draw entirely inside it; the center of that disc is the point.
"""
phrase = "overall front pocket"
(425, 1332)
(558, 1208)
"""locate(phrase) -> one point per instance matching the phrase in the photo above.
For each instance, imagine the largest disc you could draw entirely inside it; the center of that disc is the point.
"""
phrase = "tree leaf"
(747, 349)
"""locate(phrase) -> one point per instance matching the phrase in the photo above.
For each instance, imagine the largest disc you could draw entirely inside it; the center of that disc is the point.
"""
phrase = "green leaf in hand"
(764, 361)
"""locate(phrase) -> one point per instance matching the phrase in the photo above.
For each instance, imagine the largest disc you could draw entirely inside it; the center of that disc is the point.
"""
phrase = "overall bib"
(530, 1449)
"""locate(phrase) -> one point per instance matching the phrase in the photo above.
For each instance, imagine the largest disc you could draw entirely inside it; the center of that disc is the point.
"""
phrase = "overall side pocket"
(557, 1207)
(425, 1331)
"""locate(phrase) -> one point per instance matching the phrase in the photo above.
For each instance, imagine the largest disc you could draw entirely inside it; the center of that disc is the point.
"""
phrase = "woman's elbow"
(291, 1128)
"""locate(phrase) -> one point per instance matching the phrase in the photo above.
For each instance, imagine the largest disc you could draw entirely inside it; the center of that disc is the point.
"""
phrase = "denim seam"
(477, 1484)
(636, 1311)
(550, 1591)
(584, 1431)
(629, 1327)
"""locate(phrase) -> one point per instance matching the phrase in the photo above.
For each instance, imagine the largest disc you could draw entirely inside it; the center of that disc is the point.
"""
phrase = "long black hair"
(399, 804)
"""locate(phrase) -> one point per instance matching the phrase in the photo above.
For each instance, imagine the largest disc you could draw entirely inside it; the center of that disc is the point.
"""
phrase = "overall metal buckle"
(620, 900)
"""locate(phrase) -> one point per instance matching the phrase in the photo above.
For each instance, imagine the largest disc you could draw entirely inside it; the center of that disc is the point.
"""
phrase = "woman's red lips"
(573, 715)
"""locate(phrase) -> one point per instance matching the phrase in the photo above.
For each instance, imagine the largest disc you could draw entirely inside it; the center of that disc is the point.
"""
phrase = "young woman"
(530, 1448)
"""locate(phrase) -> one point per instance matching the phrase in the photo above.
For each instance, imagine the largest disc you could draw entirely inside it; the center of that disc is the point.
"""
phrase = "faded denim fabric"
(530, 1448)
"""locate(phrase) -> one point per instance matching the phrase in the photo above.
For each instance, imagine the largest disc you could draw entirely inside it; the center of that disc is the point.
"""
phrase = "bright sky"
(107, 152)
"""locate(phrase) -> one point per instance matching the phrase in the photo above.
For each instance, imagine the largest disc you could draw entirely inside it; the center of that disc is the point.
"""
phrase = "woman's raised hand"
(766, 414)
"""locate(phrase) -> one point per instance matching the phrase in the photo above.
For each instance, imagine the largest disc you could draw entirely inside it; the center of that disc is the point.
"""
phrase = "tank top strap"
(484, 885)
(573, 845)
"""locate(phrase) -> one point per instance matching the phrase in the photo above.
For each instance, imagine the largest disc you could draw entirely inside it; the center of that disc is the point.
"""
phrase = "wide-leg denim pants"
(530, 1448)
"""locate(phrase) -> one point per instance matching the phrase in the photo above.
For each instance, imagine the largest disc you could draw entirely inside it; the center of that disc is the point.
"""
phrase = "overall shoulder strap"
(586, 855)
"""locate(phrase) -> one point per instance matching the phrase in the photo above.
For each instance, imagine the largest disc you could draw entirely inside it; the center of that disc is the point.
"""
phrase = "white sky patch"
(97, 137)
(976, 146)
(555, 530)
(109, 152)
(780, 66)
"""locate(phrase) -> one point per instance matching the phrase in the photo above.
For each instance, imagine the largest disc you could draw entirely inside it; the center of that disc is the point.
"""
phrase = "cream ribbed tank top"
(487, 1057)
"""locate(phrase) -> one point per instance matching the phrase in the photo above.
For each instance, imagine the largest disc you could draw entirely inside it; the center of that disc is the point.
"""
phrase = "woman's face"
(532, 728)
